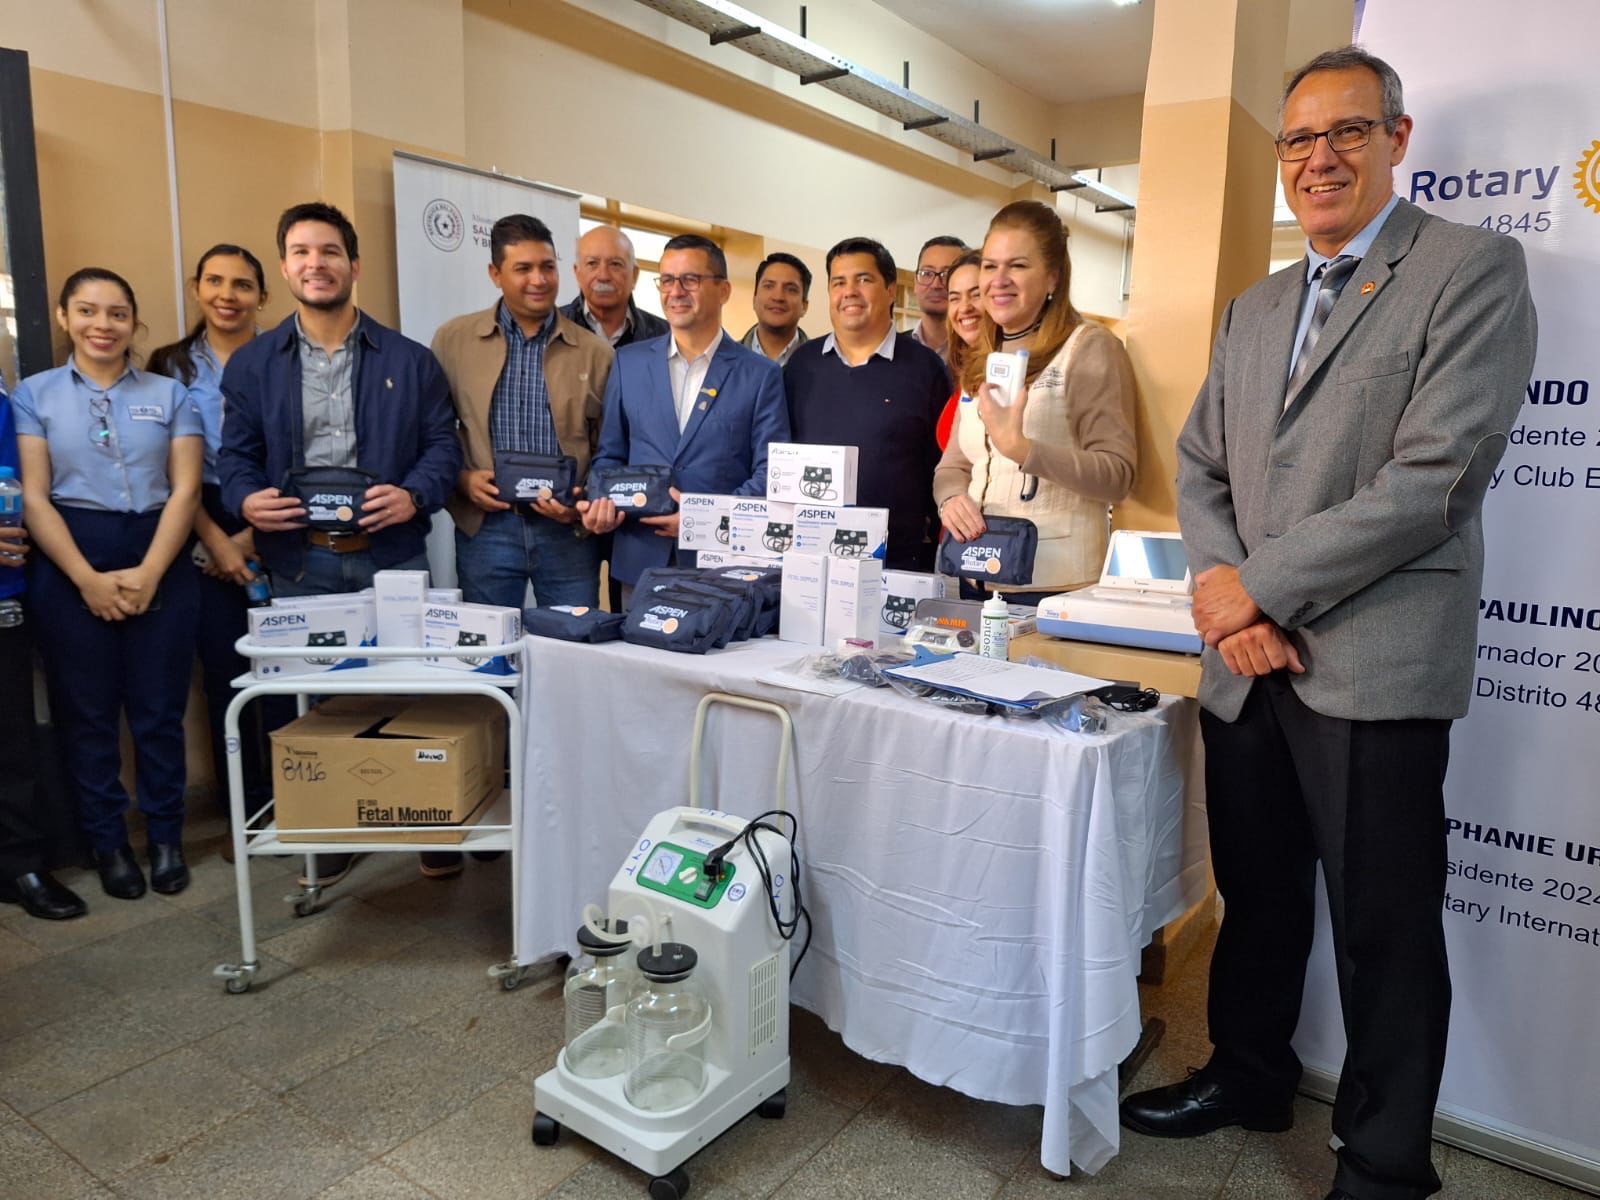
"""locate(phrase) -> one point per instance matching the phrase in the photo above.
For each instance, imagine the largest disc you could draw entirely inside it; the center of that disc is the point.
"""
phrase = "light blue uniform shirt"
(1356, 247)
(124, 471)
(205, 389)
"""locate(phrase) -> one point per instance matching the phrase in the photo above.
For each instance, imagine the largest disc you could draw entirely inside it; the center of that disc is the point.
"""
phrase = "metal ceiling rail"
(726, 23)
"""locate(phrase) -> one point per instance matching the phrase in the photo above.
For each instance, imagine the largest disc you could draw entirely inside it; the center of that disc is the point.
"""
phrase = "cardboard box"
(901, 591)
(854, 603)
(802, 606)
(360, 762)
(471, 625)
(703, 521)
(763, 528)
(799, 473)
(400, 596)
(846, 532)
(311, 625)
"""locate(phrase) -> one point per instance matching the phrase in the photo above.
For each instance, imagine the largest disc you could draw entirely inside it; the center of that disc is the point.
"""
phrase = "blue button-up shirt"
(10, 577)
(1356, 247)
(108, 446)
(205, 389)
(519, 409)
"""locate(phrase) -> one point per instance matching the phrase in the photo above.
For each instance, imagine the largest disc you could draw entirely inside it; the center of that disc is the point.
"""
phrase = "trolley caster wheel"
(305, 907)
(674, 1185)
(237, 987)
(511, 982)
(546, 1130)
(773, 1107)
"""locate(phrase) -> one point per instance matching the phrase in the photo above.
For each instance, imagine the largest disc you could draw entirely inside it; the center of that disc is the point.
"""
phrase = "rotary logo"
(1587, 177)
(442, 224)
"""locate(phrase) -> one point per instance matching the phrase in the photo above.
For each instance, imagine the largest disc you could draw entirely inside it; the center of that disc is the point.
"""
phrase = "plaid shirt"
(519, 410)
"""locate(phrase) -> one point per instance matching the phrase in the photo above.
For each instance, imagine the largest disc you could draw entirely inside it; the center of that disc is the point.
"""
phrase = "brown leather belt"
(339, 543)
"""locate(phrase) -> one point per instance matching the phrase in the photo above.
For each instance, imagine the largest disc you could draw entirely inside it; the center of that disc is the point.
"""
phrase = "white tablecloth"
(981, 888)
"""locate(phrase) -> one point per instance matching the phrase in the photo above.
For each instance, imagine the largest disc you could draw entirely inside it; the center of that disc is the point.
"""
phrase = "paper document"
(993, 679)
(799, 678)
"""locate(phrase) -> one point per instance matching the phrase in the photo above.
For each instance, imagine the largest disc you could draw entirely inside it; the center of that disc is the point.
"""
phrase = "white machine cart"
(389, 674)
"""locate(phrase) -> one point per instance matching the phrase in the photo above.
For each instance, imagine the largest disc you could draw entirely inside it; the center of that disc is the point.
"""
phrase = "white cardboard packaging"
(322, 625)
(400, 596)
(721, 558)
(471, 625)
(801, 473)
(802, 606)
(854, 603)
(703, 521)
(764, 528)
(901, 591)
(443, 595)
(840, 531)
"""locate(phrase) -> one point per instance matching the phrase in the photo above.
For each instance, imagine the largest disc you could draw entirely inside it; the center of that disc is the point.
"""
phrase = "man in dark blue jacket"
(331, 387)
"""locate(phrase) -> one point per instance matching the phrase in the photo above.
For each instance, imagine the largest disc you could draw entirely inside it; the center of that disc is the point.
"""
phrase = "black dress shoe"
(42, 896)
(440, 864)
(330, 869)
(119, 873)
(1339, 1194)
(169, 874)
(1197, 1105)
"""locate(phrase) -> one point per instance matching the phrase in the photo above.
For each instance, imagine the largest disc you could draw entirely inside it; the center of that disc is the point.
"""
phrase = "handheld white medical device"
(1144, 598)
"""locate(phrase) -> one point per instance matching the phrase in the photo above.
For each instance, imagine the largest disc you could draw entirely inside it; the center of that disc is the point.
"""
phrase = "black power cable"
(787, 928)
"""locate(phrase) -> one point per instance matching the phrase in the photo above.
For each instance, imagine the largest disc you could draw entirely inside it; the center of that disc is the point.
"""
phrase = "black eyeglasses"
(101, 435)
(689, 281)
(932, 275)
(1352, 135)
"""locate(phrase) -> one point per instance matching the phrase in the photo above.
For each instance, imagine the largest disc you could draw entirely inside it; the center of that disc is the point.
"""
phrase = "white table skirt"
(981, 888)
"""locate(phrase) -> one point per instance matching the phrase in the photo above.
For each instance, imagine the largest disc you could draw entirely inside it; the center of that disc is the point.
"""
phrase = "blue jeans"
(508, 551)
(326, 572)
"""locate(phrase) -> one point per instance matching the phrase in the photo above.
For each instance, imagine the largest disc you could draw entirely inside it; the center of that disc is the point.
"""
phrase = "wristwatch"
(416, 499)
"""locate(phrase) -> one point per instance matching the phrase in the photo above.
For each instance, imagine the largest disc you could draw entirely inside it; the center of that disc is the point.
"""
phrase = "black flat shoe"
(169, 874)
(440, 864)
(119, 873)
(1198, 1105)
(41, 896)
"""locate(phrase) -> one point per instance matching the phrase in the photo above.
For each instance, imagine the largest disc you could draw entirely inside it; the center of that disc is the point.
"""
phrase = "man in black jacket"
(607, 272)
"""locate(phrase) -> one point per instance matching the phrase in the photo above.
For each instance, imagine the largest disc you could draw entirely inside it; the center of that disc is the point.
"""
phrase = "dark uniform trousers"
(22, 833)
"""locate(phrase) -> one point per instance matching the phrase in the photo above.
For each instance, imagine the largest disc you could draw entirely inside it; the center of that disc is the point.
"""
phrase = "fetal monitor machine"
(1143, 599)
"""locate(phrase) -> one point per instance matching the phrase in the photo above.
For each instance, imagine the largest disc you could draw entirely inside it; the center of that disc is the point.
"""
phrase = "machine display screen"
(663, 865)
(1146, 558)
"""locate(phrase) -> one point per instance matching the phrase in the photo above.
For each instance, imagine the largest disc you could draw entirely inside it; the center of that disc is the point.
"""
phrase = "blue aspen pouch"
(637, 491)
(571, 623)
(1002, 553)
(747, 606)
(766, 583)
(524, 477)
(332, 496)
(673, 619)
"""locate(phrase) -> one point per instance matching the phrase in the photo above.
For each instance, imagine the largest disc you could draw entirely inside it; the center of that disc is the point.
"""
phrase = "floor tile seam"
(820, 1147)
(144, 1062)
(173, 1151)
(63, 1151)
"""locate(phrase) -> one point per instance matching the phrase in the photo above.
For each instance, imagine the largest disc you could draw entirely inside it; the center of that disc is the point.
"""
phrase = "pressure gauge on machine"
(662, 865)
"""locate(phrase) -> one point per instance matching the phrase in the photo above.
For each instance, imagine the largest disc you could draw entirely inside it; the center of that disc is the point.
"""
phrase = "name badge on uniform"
(147, 412)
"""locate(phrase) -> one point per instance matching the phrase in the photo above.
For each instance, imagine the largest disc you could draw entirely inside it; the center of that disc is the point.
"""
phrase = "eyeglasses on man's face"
(689, 281)
(1351, 135)
(933, 274)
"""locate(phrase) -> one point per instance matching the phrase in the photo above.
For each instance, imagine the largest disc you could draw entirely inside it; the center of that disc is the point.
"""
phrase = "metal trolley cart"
(498, 829)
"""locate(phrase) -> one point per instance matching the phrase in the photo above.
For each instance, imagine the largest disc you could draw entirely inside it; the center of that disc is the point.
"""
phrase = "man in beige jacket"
(525, 378)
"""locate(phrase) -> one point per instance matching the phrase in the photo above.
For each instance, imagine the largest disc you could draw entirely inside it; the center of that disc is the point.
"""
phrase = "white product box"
(802, 606)
(799, 473)
(400, 596)
(471, 625)
(854, 603)
(764, 528)
(721, 558)
(703, 521)
(443, 595)
(1008, 372)
(901, 591)
(842, 532)
(320, 625)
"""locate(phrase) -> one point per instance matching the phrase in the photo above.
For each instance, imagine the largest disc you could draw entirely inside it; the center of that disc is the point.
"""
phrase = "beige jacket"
(472, 351)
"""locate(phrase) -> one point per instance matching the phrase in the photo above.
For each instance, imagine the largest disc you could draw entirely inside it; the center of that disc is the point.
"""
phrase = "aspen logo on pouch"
(981, 558)
(443, 225)
(1587, 177)
(663, 618)
(576, 611)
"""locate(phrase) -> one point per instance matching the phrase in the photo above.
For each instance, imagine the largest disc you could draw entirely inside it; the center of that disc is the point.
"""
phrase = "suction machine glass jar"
(600, 979)
(666, 1024)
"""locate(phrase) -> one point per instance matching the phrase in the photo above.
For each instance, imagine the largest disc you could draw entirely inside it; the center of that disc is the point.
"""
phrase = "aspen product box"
(703, 521)
(400, 596)
(326, 629)
(901, 592)
(802, 604)
(844, 532)
(443, 595)
(764, 528)
(721, 558)
(854, 603)
(471, 625)
(801, 473)
(372, 763)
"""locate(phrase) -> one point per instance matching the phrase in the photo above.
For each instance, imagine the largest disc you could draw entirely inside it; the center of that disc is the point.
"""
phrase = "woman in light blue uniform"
(111, 461)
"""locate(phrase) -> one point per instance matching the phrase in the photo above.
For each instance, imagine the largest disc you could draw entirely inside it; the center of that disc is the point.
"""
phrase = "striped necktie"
(1334, 274)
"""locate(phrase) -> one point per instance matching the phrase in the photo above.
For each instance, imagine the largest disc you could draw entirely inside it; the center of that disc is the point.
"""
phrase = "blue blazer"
(405, 431)
(722, 449)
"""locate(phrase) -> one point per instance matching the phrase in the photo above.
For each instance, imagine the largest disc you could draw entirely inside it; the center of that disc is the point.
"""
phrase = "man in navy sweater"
(864, 385)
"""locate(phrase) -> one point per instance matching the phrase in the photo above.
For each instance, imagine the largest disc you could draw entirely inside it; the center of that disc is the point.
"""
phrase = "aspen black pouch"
(1002, 553)
(747, 605)
(637, 491)
(674, 619)
(524, 477)
(332, 496)
(572, 623)
(767, 583)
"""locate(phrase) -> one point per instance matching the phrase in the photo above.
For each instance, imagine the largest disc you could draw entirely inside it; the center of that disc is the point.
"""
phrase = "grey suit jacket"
(1353, 514)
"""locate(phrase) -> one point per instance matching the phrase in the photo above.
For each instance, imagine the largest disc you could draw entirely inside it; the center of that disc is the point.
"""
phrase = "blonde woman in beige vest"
(1065, 451)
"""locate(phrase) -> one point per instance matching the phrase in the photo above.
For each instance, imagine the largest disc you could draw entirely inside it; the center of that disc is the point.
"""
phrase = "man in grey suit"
(1330, 482)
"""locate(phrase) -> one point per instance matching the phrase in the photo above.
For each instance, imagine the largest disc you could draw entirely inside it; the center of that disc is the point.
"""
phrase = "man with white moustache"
(607, 271)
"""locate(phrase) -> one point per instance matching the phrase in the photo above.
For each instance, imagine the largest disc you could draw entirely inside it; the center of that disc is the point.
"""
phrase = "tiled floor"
(375, 1059)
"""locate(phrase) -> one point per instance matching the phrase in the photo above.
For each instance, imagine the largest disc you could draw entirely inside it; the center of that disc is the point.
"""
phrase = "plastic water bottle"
(10, 516)
(994, 639)
(258, 592)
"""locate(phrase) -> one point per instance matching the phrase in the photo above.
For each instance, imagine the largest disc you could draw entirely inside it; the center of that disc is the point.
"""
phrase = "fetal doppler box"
(853, 605)
(800, 473)
(443, 595)
(703, 521)
(840, 531)
(372, 762)
(901, 592)
(322, 626)
(764, 528)
(400, 596)
(802, 607)
(471, 625)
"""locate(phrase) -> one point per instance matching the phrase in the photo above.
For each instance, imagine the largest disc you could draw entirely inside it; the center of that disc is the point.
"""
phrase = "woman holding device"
(1063, 451)
(110, 461)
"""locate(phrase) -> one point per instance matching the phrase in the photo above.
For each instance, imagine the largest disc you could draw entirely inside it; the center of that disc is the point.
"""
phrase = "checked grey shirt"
(519, 409)
(327, 399)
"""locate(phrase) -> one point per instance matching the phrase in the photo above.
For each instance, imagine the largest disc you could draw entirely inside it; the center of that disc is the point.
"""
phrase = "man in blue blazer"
(695, 401)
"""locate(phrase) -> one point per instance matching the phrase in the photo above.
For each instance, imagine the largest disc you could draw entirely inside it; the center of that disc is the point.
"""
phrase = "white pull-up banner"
(1507, 137)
